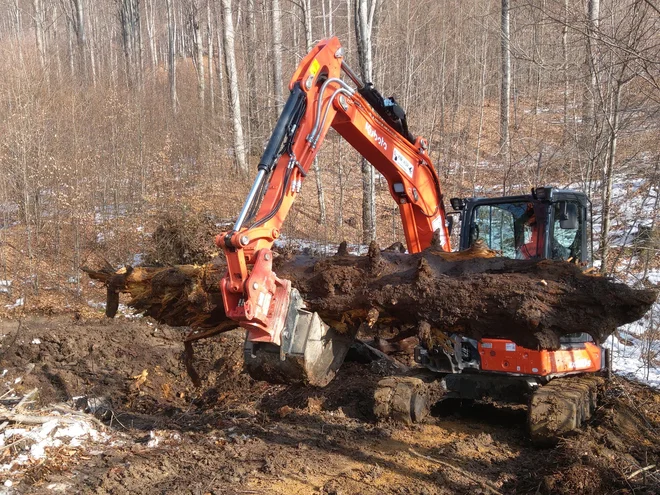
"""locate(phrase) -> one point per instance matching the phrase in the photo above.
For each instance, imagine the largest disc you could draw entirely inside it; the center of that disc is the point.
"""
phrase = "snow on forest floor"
(635, 357)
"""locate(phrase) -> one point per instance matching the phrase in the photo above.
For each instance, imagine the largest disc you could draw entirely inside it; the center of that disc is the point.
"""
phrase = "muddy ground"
(235, 435)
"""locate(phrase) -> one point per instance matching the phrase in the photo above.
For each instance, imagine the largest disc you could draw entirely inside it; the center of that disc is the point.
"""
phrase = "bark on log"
(532, 303)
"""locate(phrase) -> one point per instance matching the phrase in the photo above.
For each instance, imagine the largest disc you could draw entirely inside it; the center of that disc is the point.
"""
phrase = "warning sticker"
(403, 163)
(314, 67)
(510, 346)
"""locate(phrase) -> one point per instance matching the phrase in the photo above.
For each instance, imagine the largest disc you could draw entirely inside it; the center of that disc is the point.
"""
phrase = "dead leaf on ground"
(140, 379)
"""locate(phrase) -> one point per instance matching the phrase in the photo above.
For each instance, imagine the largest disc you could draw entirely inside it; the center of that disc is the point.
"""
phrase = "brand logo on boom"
(374, 135)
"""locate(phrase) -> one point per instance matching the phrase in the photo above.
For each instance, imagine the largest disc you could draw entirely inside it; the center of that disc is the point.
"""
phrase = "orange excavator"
(286, 342)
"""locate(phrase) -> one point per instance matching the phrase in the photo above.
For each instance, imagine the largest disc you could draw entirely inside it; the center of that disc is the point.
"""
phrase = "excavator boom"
(376, 127)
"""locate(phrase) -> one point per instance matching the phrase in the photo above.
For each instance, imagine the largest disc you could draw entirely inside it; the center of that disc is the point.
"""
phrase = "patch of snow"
(630, 356)
(122, 309)
(19, 302)
(154, 441)
(36, 341)
(53, 433)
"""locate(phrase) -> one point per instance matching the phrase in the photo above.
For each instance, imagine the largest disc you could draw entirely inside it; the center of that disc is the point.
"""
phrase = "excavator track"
(562, 406)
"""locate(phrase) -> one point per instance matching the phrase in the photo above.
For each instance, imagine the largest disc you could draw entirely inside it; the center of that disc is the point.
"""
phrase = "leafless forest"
(130, 131)
(115, 113)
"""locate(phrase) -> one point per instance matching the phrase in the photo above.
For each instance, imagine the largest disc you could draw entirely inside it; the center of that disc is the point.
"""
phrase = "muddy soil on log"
(235, 435)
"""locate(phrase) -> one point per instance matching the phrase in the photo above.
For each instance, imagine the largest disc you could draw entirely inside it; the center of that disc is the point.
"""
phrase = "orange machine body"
(506, 357)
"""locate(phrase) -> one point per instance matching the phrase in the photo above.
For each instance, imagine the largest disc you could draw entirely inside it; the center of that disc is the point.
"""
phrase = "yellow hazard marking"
(314, 68)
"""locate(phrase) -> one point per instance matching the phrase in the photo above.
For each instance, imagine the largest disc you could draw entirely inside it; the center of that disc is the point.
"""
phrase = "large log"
(532, 303)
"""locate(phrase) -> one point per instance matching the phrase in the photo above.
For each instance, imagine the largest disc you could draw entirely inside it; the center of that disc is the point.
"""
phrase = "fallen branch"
(28, 419)
(483, 484)
(640, 471)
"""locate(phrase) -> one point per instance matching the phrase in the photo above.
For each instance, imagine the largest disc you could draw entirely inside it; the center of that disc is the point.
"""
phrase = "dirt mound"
(237, 435)
(182, 238)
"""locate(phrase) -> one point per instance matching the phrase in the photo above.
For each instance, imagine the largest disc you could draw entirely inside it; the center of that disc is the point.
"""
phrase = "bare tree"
(365, 11)
(171, 54)
(39, 22)
(195, 25)
(234, 97)
(309, 42)
(129, 14)
(209, 46)
(276, 17)
(505, 93)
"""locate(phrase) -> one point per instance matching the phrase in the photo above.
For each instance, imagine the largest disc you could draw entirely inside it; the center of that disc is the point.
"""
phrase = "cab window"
(567, 232)
(504, 227)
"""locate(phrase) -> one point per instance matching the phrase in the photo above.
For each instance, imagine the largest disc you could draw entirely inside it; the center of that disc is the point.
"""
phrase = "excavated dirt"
(235, 435)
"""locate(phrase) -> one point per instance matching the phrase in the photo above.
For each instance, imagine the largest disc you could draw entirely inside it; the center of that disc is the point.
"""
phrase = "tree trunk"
(276, 18)
(234, 98)
(593, 24)
(39, 21)
(309, 42)
(250, 27)
(505, 94)
(608, 177)
(532, 303)
(209, 45)
(199, 52)
(364, 17)
(171, 54)
(151, 33)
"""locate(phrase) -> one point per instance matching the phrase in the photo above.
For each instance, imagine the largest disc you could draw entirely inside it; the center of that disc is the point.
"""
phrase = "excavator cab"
(549, 223)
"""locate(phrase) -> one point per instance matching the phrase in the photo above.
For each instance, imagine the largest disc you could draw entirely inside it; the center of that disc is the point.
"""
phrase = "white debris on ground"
(29, 444)
(5, 286)
(122, 310)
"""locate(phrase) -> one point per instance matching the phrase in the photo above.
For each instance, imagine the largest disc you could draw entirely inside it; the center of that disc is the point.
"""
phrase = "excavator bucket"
(310, 354)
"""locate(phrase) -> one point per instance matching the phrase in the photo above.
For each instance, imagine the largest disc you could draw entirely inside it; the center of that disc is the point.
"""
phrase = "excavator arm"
(376, 127)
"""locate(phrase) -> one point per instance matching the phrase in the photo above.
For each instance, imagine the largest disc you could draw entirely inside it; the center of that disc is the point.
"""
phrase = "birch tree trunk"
(505, 95)
(364, 16)
(234, 98)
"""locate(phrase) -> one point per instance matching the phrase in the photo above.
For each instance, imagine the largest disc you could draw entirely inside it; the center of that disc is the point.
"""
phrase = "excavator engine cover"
(310, 354)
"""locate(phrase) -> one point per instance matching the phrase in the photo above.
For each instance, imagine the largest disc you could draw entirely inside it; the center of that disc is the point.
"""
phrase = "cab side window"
(567, 231)
(495, 226)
